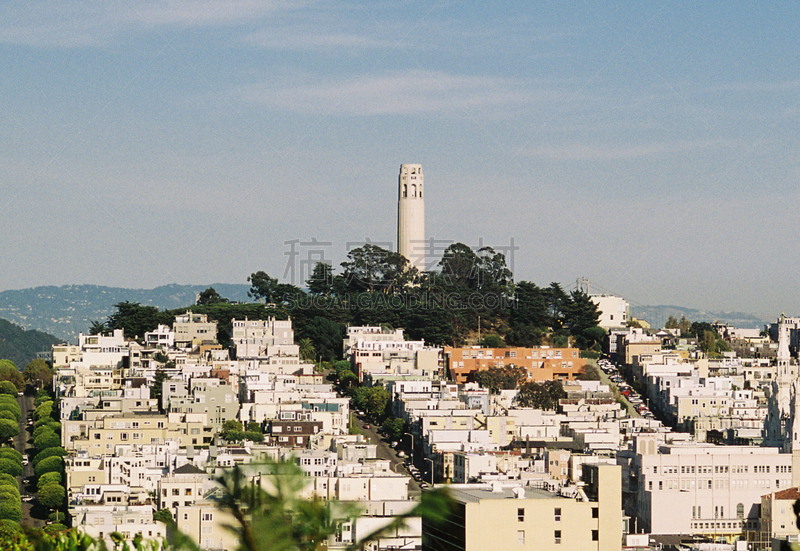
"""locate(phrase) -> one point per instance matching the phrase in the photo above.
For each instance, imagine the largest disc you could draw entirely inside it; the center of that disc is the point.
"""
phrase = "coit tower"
(411, 215)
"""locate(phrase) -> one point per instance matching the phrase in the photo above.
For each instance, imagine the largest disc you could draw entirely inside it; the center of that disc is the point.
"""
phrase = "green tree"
(496, 379)
(8, 429)
(163, 515)
(10, 404)
(672, 323)
(588, 373)
(377, 399)
(9, 372)
(540, 395)
(321, 280)
(6, 478)
(10, 466)
(394, 427)
(10, 510)
(262, 286)
(326, 335)
(135, 320)
(47, 439)
(347, 380)
(44, 411)
(210, 296)
(52, 495)
(232, 430)
(56, 451)
(49, 465)
(307, 350)
(371, 268)
(97, 328)
(492, 341)
(10, 453)
(581, 315)
(254, 426)
(7, 387)
(38, 372)
(51, 478)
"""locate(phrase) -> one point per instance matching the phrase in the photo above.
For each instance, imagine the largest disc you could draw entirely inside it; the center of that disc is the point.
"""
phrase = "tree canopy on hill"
(377, 287)
(20, 345)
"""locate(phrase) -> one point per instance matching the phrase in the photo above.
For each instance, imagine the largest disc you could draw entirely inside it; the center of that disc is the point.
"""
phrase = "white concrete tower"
(411, 215)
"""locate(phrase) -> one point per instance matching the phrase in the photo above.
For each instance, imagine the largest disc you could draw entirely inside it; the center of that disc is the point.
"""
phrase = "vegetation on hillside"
(469, 293)
(20, 345)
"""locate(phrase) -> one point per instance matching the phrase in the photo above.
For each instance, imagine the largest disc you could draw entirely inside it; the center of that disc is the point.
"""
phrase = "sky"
(650, 146)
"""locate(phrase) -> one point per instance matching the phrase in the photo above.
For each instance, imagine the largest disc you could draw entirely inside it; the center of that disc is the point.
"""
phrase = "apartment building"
(500, 516)
(702, 489)
(542, 364)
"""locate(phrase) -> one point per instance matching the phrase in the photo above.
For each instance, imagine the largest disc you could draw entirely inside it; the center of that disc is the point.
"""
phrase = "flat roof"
(480, 492)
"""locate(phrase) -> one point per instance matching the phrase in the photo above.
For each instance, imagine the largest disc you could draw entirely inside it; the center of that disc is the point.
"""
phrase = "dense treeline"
(470, 293)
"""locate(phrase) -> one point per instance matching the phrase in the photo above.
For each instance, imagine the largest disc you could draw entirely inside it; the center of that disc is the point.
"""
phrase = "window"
(740, 510)
(595, 512)
(557, 536)
(557, 514)
(595, 535)
(520, 537)
(521, 515)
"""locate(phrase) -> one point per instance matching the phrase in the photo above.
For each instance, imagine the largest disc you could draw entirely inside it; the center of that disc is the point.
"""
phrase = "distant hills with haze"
(68, 310)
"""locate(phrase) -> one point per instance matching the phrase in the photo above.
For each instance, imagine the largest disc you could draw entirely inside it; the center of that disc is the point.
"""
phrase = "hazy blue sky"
(650, 146)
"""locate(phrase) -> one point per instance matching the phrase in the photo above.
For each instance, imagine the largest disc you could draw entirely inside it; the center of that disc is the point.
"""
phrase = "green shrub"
(7, 479)
(10, 453)
(7, 387)
(13, 408)
(10, 488)
(9, 527)
(8, 429)
(10, 510)
(7, 414)
(53, 528)
(9, 466)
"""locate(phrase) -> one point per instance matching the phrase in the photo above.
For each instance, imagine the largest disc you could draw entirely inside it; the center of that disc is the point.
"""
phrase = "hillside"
(68, 310)
(21, 346)
(657, 316)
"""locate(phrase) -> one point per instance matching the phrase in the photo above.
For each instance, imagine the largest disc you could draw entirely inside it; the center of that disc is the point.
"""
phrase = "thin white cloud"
(401, 92)
(305, 38)
(757, 86)
(594, 152)
(49, 23)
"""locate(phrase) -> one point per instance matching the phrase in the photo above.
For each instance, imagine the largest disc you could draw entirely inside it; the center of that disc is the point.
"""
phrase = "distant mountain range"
(657, 316)
(69, 310)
